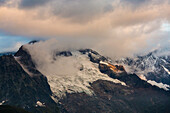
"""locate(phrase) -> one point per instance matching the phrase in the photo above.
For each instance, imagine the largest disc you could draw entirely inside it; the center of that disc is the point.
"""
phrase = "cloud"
(106, 25)
(75, 10)
(134, 2)
(78, 10)
(8, 3)
(32, 3)
(57, 26)
(2, 2)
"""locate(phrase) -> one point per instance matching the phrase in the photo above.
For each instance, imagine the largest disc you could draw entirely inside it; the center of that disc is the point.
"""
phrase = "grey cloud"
(108, 24)
(32, 3)
(2, 2)
(108, 8)
(138, 3)
(79, 10)
(75, 10)
(134, 1)
(135, 4)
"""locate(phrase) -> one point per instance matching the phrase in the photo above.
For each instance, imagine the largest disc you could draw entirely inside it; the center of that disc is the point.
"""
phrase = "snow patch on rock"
(40, 104)
(142, 77)
(1, 103)
(160, 85)
(166, 70)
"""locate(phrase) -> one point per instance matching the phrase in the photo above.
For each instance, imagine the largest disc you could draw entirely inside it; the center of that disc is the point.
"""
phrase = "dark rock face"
(11, 109)
(120, 67)
(96, 60)
(112, 69)
(93, 55)
(20, 89)
(115, 98)
(25, 59)
(84, 51)
(33, 41)
(64, 53)
(24, 56)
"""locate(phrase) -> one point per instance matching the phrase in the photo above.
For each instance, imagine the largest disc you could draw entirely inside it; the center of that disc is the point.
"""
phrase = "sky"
(112, 27)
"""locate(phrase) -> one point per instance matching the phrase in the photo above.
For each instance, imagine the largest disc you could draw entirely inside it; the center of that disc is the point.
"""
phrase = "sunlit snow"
(40, 104)
(160, 85)
(1, 103)
(68, 74)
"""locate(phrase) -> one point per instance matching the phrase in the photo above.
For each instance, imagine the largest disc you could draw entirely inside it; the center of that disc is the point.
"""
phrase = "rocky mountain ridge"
(95, 85)
(154, 65)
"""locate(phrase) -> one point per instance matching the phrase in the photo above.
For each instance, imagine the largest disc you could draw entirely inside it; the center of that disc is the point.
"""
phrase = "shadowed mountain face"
(22, 84)
(20, 89)
(137, 97)
(10, 109)
(115, 98)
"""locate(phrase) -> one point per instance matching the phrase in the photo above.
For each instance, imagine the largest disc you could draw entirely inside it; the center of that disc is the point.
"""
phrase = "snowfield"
(71, 74)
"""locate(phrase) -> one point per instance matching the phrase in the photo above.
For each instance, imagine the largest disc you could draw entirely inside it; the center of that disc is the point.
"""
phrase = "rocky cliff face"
(93, 55)
(19, 89)
(112, 70)
(115, 98)
(95, 86)
(11, 109)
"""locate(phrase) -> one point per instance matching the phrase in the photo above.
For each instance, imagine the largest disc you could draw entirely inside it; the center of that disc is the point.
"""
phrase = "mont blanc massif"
(45, 79)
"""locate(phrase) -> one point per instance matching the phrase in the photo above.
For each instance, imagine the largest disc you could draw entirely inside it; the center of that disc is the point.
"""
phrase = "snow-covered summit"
(154, 65)
(68, 71)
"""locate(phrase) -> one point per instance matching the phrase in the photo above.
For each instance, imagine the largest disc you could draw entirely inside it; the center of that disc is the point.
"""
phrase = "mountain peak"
(42, 77)
(33, 41)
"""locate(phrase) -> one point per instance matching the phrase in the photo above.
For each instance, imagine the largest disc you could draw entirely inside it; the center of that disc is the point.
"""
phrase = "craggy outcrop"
(18, 88)
(112, 70)
(93, 55)
(64, 53)
(11, 109)
(115, 98)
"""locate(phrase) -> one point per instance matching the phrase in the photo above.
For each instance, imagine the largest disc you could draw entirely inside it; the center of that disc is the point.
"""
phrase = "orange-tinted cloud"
(100, 23)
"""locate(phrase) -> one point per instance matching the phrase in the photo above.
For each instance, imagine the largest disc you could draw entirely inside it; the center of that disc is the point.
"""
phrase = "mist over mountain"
(49, 77)
(85, 56)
